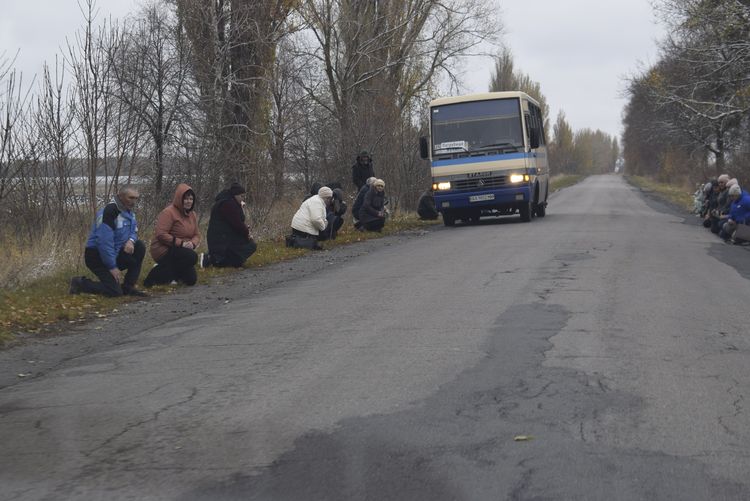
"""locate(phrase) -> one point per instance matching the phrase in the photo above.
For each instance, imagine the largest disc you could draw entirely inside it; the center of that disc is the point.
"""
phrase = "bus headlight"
(519, 178)
(445, 185)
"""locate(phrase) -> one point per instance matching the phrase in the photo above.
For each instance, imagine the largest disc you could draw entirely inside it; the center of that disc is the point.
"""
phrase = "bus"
(488, 156)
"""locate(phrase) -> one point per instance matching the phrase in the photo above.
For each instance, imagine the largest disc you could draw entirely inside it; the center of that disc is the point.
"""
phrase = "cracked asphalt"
(598, 353)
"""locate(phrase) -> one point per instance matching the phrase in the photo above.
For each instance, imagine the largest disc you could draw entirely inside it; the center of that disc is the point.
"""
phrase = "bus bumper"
(502, 199)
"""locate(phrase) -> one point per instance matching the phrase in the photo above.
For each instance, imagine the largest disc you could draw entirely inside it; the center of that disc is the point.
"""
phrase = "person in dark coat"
(426, 206)
(360, 200)
(372, 213)
(362, 169)
(334, 215)
(722, 204)
(229, 239)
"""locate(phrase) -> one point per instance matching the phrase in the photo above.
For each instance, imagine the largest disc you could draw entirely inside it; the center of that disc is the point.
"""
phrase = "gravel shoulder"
(32, 356)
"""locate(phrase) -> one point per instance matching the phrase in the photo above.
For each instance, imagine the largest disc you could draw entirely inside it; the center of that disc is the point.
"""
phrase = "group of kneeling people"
(725, 209)
(113, 246)
(321, 214)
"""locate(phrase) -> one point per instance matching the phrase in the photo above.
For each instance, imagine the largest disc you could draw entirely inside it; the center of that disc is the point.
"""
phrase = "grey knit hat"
(325, 192)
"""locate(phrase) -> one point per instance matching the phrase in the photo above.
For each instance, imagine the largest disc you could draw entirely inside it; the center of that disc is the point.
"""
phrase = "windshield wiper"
(502, 145)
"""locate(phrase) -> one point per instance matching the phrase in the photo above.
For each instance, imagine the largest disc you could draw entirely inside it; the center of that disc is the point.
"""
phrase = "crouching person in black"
(229, 239)
(426, 206)
(334, 216)
(359, 200)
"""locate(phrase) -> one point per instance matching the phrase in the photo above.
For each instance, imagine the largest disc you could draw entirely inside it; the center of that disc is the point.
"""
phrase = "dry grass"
(674, 194)
(40, 273)
(28, 261)
(563, 180)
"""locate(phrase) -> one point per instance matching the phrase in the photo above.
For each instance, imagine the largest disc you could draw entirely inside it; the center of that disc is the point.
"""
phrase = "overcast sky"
(578, 50)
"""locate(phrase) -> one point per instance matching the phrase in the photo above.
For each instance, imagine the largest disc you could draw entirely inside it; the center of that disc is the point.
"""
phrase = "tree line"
(267, 93)
(273, 94)
(572, 152)
(688, 115)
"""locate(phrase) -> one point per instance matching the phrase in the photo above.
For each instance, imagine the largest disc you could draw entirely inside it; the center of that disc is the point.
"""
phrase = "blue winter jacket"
(740, 210)
(112, 228)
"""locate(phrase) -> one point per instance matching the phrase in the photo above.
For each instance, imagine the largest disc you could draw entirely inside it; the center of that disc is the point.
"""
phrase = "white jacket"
(311, 216)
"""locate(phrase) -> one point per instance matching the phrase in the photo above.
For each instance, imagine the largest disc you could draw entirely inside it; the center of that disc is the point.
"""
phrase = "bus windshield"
(477, 126)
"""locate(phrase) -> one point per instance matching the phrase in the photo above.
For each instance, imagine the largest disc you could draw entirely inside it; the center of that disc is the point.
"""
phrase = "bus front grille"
(481, 183)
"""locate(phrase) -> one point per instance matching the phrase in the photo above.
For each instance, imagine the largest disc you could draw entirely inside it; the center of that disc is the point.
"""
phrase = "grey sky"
(578, 50)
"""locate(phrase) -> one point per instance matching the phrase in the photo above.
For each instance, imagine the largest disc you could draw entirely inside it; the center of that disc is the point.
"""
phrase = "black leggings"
(177, 264)
(107, 285)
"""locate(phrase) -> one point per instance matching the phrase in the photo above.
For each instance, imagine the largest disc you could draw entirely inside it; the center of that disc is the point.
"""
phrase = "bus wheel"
(449, 219)
(526, 212)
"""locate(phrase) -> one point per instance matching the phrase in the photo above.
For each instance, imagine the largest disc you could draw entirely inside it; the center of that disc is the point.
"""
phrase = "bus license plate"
(482, 198)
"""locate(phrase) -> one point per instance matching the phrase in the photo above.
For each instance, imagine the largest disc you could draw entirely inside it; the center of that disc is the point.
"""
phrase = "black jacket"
(360, 173)
(359, 201)
(426, 208)
(226, 227)
(372, 205)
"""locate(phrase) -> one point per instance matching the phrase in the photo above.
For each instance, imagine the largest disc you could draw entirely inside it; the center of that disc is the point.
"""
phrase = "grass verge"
(44, 305)
(561, 181)
(673, 194)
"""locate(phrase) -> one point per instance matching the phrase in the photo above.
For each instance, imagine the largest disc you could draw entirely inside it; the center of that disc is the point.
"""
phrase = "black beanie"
(236, 189)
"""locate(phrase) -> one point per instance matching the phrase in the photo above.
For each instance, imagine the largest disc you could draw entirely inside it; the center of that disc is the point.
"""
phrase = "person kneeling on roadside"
(739, 212)
(334, 216)
(113, 246)
(360, 199)
(718, 215)
(426, 206)
(310, 219)
(176, 237)
(229, 239)
(372, 213)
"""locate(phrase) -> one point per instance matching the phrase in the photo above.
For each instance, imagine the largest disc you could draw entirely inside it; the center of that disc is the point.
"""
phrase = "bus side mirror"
(424, 148)
(534, 138)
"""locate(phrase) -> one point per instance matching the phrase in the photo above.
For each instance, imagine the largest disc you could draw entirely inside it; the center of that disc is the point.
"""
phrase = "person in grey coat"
(372, 213)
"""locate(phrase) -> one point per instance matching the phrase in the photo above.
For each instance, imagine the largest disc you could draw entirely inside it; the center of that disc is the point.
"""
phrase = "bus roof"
(483, 96)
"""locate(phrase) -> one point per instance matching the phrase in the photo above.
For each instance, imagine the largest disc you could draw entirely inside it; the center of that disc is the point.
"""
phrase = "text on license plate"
(482, 198)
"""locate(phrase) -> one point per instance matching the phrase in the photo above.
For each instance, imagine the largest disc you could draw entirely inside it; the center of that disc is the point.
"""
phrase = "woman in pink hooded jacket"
(175, 239)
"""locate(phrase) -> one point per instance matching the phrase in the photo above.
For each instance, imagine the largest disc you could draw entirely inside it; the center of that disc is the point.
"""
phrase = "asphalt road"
(612, 336)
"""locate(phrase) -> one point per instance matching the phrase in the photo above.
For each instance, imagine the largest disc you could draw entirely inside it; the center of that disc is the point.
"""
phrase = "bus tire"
(526, 211)
(541, 210)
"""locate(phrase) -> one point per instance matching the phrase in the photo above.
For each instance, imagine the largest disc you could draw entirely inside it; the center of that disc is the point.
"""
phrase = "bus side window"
(537, 123)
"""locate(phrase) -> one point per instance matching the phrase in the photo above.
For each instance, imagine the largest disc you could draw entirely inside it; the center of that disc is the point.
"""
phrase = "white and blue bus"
(487, 156)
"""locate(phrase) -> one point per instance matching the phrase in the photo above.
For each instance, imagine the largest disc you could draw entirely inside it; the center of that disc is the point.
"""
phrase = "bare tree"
(12, 102)
(53, 132)
(506, 77)
(91, 65)
(702, 79)
(376, 57)
(234, 46)
(153, 63)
